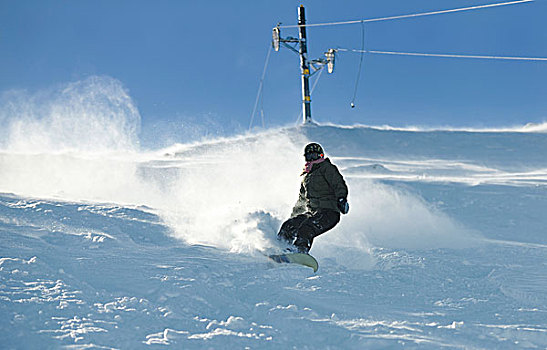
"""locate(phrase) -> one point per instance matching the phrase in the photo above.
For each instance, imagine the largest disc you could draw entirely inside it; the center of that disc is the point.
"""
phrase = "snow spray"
(79, 142)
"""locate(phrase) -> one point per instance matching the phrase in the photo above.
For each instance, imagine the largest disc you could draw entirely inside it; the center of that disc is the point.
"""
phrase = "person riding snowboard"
(323, 196)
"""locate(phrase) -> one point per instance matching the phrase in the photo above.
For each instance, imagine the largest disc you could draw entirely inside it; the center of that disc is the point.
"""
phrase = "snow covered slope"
(445, 244)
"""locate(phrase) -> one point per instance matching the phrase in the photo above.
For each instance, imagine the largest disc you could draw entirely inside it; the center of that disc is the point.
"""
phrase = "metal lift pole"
(305, 70)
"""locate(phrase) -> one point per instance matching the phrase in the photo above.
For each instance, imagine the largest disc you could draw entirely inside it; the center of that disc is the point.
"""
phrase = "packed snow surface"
(445, 245)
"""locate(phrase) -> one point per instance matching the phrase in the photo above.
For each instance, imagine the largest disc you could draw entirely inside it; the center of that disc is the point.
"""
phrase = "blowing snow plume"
(79, 143)
(93, 115)
(231, 193)
(235, 193)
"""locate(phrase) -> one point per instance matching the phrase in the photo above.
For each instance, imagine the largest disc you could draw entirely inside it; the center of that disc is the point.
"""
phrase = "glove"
(343, 205)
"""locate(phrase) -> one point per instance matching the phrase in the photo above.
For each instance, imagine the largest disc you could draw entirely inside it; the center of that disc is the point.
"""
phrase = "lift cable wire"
(514, 58)
(360, 64)
(410, 15)
(260, 86)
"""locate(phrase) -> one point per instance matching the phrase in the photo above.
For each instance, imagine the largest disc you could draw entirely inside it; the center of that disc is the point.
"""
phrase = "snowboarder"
(323, 196)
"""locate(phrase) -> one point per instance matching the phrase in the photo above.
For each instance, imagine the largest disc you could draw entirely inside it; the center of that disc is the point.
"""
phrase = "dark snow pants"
(300, 230)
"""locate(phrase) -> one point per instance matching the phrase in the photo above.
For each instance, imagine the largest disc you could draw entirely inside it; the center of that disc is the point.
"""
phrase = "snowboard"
(296, 258)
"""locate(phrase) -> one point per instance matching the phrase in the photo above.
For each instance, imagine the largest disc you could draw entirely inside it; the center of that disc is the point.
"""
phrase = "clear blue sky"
(201, 61)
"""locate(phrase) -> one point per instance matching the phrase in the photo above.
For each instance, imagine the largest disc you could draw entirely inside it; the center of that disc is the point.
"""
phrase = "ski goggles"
(312, 156)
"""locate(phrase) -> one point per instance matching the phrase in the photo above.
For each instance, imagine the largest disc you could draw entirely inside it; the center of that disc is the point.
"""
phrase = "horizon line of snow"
(527, 128)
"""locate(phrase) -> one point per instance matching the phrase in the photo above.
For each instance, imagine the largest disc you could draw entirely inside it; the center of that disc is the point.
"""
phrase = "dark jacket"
(320, 189)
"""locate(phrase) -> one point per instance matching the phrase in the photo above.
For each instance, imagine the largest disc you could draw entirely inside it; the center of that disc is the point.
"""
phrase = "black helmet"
(313, 151)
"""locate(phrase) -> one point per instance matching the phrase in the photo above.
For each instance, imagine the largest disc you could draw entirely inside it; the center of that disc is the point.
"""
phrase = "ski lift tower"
(304, 68)
(305, 64)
